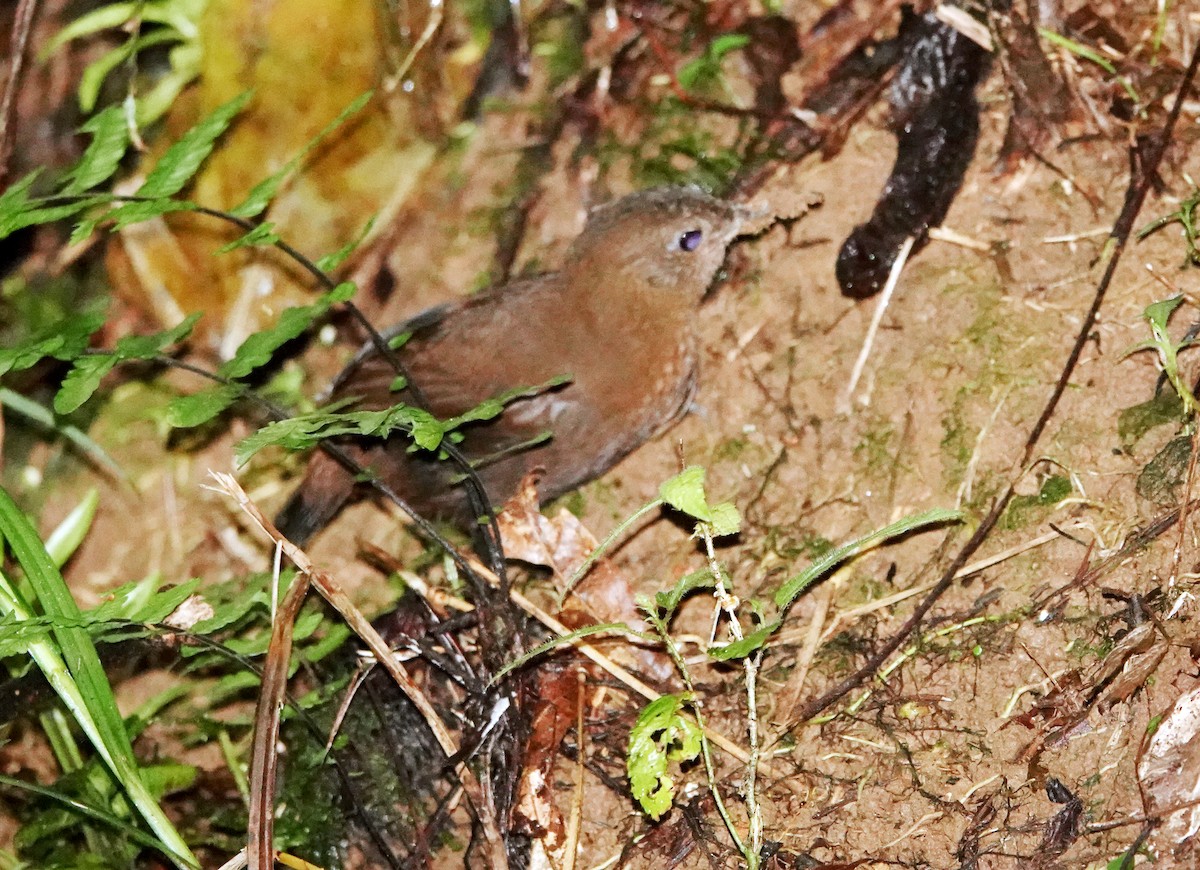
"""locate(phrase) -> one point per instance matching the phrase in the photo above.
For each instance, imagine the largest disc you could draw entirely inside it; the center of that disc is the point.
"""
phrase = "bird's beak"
(750, 220)
(755, 217)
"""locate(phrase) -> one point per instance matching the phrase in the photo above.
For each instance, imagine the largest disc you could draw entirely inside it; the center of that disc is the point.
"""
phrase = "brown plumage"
(618, 317)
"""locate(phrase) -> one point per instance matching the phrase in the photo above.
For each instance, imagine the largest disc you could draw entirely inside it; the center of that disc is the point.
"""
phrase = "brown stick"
(17, 47)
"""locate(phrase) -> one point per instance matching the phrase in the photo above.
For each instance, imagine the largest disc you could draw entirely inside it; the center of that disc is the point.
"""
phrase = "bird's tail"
(326, 487)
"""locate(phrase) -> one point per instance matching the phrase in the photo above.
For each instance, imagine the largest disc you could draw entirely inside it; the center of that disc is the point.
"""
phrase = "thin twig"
(729, 603)
(18, 46)
(845, 404)
(575, 820)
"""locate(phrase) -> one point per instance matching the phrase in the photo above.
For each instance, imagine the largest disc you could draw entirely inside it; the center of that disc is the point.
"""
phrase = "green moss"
(957, 443)
(991, 352)
(876, 448)
(869, 586)
(1134, 422)
(677, 149)
(795, 547)
(1164, 475)
(575, 502)
(1024, 509)
(560, 43)
(605, 495)
(815, 546)
(731, 449)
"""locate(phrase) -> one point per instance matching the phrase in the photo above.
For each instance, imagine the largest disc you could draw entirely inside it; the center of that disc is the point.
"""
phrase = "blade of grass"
(83, 809)
(1080, 50)
(31, 410)
(789, 590)
(79, 674)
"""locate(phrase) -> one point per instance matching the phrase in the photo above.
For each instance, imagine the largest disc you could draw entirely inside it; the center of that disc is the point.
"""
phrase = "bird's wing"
(444, 359)
(370, 374)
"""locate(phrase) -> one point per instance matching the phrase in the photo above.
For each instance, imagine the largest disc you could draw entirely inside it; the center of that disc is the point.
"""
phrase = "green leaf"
(164, 779)
(84, 378)
(343, 292)
(787, 593)
(176, 167)
(661, 734)
(1077, 48)
(685, 492)
(666, 602)
(260, 195)
(185, 59)
(17, 636)
(1158, 313)
(331, 261)
(64, 340)
(739, 649)
(256, 351)
(726, 43)
(186, 412)
(15, 200)
(400, 339)
(240, 599)
(491, 408)
(725, 520)
(143, 602)
(303, 432)
(308, 430)
(69, 534)
(1185, 216)
(262, 234)
(294, 433)
(136, 212)
(565, 640)
(83, 230)
(18, 212)
(104, 18)
(133, 347)
(263, 192)
(93, 76)
(255, 645)
(426, 430)
(110, 140)
(181, 15)
(707, 68)
(138, 603)
(82, 381)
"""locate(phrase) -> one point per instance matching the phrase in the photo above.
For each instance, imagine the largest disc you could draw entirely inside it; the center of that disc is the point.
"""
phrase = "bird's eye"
(690, 240)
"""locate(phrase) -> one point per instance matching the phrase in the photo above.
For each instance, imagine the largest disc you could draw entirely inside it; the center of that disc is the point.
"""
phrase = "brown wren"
(618, 318)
